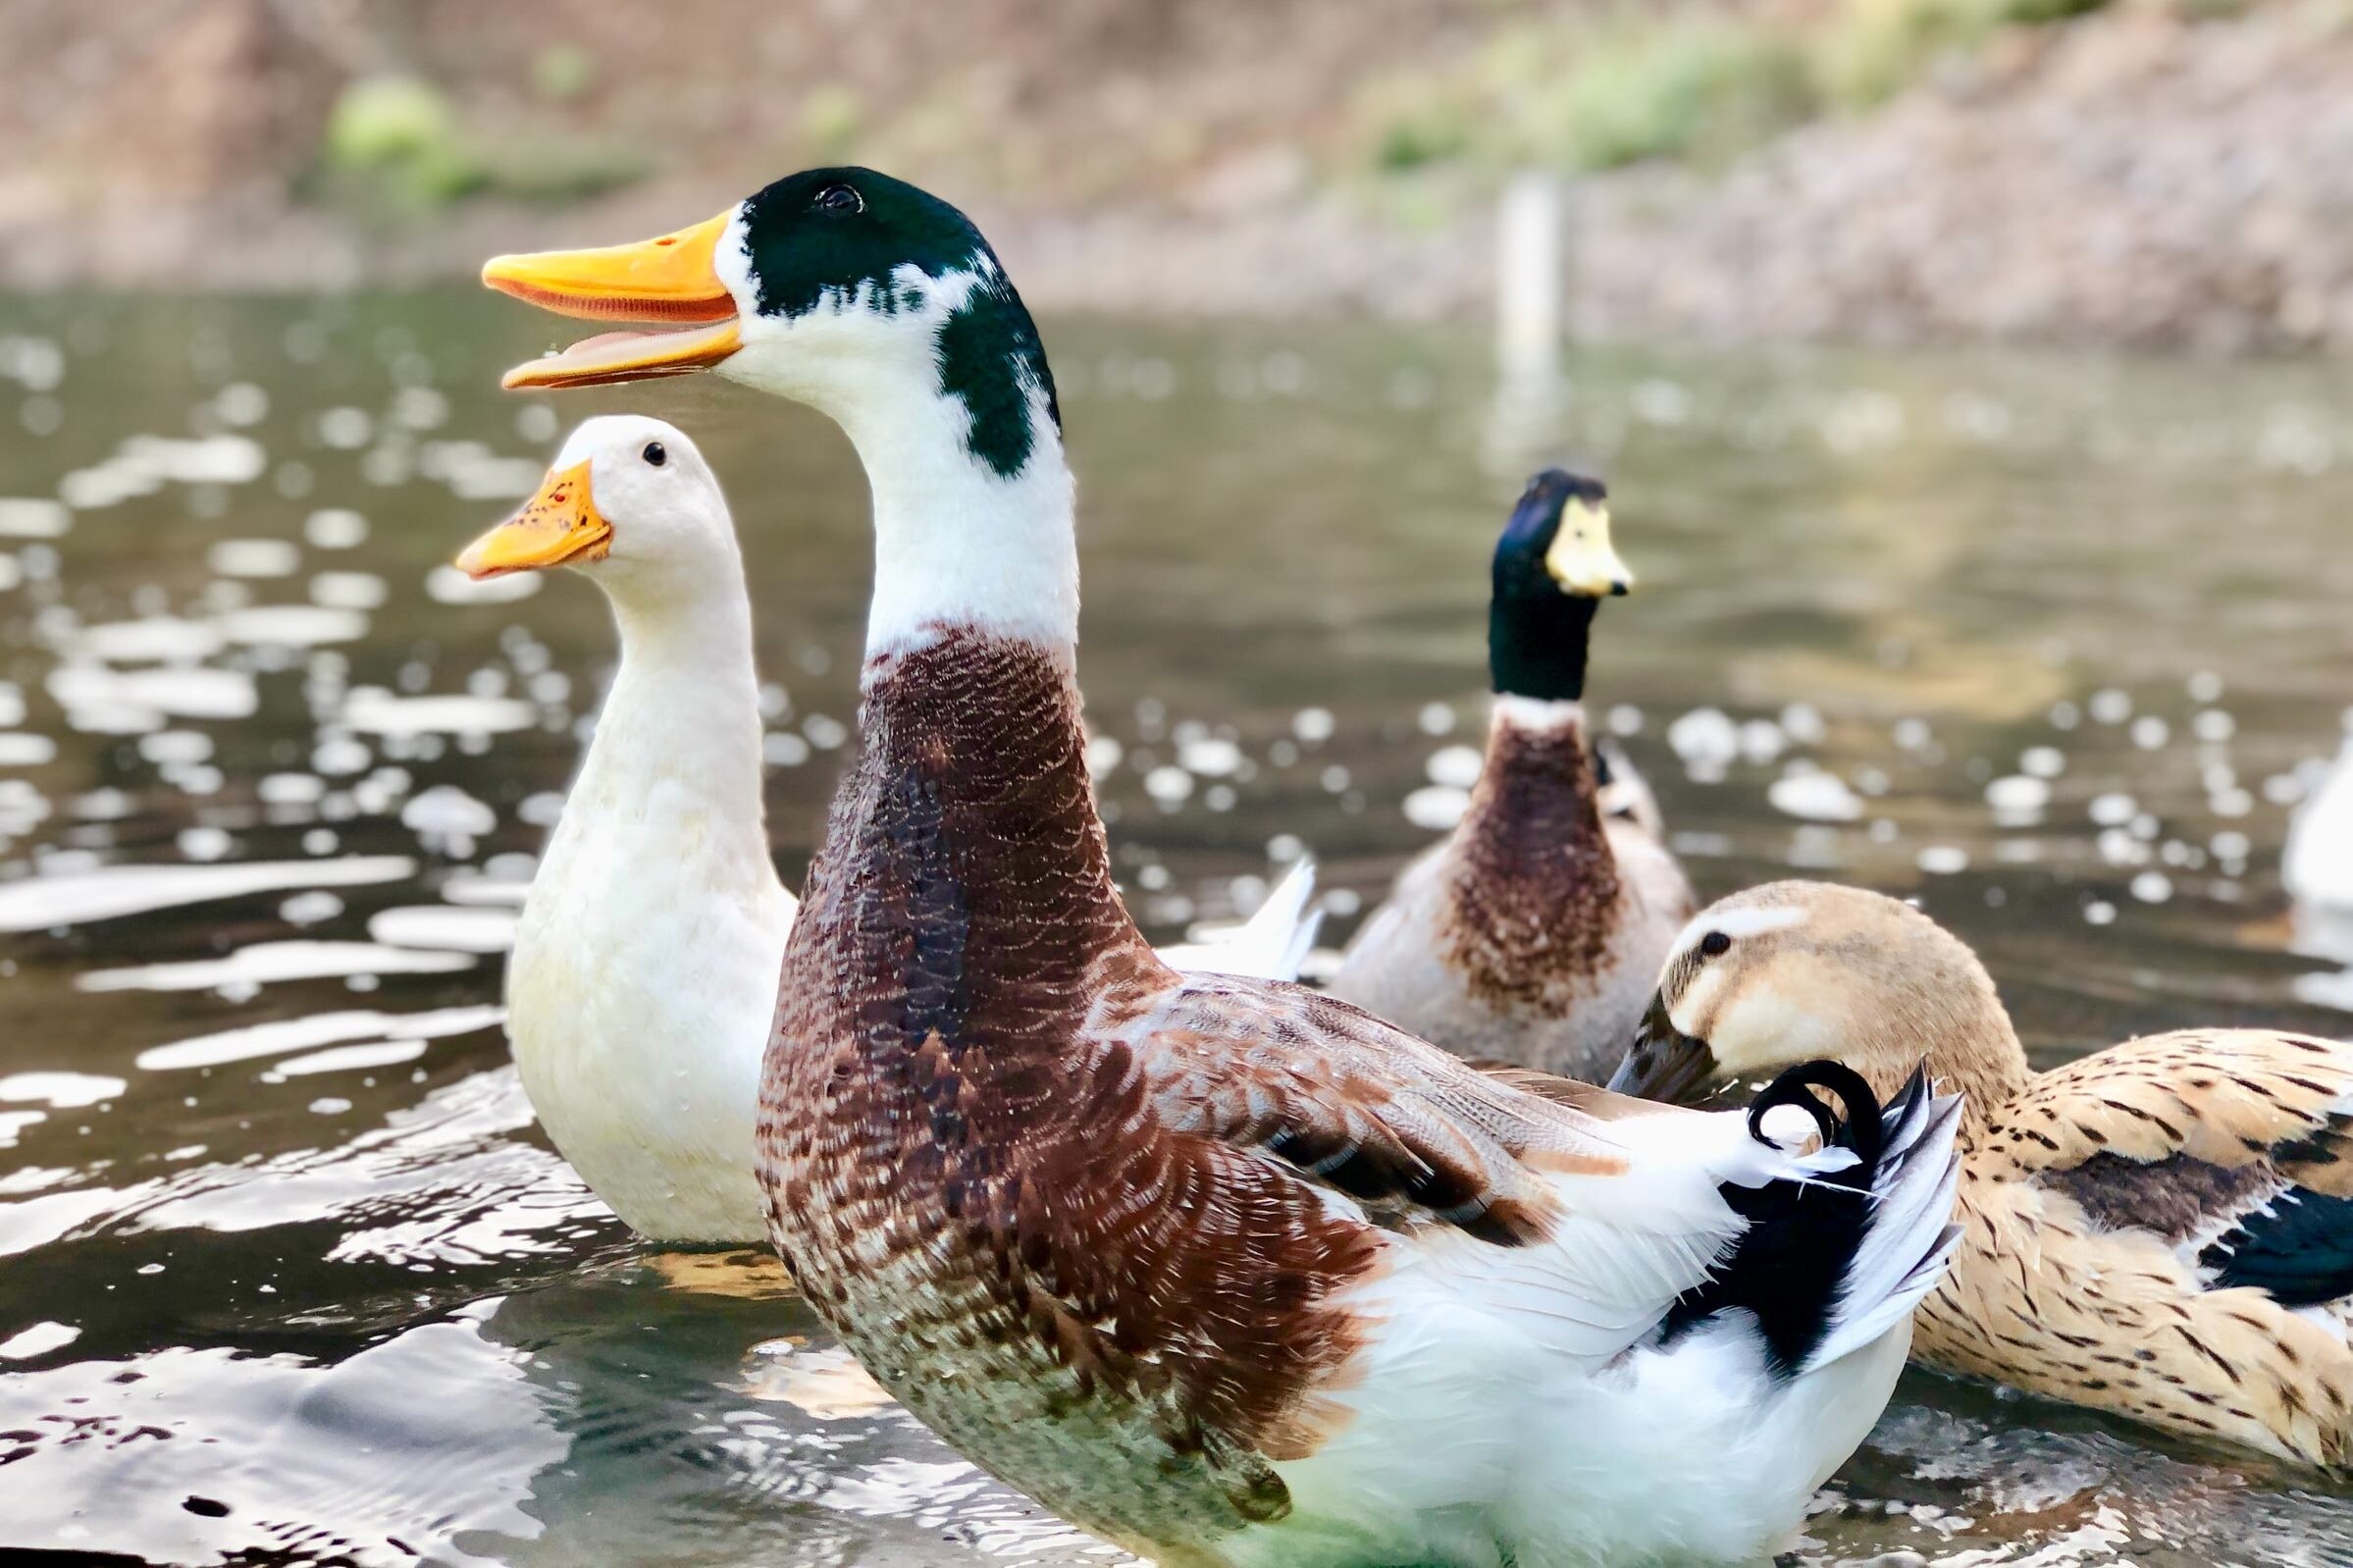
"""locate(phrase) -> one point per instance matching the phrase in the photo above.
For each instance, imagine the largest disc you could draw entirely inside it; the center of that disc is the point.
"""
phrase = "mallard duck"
(1534, 931)
(643, 973)
(2164, 1230)
(1223, 1269)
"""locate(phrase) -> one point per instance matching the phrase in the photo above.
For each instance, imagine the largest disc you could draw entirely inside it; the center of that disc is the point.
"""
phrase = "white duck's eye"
(655, 455)
(841, 200)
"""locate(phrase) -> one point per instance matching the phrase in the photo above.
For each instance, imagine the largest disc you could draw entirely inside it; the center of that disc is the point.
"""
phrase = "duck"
(2316, 866)
(642, 977)
(1223, 1270)
(2162, 1230)
(1534, 931)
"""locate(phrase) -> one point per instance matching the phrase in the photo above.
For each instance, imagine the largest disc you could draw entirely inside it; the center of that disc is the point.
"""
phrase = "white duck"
(2317, 864)
(644, 973)
(1227, 1271)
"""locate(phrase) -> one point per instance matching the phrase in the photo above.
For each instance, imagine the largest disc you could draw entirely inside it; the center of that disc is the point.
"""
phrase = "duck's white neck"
(941, 386)
(681, 724)
(955, 545)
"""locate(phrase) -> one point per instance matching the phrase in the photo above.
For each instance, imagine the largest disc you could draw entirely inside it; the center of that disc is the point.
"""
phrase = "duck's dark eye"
(655, 455)
(1715, 944)
(840, 199)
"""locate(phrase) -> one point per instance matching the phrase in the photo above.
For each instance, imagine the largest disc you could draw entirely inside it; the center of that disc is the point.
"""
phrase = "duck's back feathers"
(2188, 1200)
(1624, 794)
(2257, 1184)
(2222, 1097)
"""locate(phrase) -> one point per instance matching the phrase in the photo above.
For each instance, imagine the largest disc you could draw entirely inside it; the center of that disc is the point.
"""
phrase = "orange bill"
(556, 526)
(670, 280)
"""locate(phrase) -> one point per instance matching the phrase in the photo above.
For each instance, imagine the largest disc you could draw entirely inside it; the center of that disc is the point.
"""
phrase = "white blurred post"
(1528, 279)
(1525, 422)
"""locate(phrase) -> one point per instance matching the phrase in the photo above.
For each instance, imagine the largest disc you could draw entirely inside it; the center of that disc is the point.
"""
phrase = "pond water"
(290, 1275)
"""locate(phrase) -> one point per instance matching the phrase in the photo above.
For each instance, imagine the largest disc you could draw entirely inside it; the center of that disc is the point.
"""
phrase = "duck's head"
(1801, 971)
(1553, 566)
(842, 288)
(630, 502)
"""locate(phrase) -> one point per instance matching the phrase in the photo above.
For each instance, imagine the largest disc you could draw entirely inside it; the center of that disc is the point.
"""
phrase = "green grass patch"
(395, 148)
(1588, 92)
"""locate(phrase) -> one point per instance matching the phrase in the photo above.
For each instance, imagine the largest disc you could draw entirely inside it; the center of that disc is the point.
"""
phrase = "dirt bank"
(2147, 173)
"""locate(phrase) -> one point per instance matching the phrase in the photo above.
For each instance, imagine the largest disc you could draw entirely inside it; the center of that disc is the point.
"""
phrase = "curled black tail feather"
(1789, 1269)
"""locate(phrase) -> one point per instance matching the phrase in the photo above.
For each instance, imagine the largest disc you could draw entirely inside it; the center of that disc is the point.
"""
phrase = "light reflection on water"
(2054, 647)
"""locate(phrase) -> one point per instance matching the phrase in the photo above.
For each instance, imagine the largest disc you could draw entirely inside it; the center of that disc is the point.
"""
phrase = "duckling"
(643, 973)
(1227, 1271)
(2163, 1229)
(1533, 932)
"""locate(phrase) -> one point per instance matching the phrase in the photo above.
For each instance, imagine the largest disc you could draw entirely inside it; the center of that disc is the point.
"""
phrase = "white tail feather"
(1912, 1235)
(1269, 946)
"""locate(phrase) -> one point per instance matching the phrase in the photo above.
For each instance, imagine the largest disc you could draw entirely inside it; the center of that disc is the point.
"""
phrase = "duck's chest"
(971, 1259)
(971, 1189)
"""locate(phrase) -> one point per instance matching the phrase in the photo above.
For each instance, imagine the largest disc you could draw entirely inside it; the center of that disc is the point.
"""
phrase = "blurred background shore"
(2173, 172)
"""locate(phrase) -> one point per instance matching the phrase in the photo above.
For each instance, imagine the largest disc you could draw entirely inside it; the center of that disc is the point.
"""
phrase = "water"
(292, 1279)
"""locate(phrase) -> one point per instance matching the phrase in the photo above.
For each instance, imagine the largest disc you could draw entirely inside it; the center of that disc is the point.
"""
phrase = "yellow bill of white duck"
(1223, 1269)
(1533, 932)
(643, 979)
(2163, 1229)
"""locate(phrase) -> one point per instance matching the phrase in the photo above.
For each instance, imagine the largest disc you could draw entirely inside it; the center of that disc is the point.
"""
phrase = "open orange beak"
(669, 281)
(557, 527)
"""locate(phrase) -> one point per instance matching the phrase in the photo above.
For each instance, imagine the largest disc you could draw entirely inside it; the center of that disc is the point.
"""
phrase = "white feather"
(1271, 945)
(1514, 1406)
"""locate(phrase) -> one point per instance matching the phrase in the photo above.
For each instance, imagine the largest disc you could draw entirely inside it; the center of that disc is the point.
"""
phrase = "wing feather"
(1585, 1210)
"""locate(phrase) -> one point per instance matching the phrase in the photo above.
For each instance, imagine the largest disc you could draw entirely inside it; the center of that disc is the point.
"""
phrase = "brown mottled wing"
(1572, 1092)
(1413, 1133)
(2226, 1098)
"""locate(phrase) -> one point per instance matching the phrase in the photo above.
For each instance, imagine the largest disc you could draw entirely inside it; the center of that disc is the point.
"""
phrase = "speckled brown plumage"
(1049, 1191)
(2106, 1206)
(1532, 934)
(984, 1239)
(2086, 1205)
(1532, 881)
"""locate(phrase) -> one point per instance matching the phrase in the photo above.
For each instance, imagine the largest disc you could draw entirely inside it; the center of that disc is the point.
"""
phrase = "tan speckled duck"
(2164, 1230)
(1532, 933)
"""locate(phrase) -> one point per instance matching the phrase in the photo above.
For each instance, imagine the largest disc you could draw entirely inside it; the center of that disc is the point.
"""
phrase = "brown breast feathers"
(977, 1191)
(1534, 883)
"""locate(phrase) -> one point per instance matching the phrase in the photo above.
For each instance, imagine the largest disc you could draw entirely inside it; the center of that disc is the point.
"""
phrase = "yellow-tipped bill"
(556, 526)
(670, 279)
(1582, 559)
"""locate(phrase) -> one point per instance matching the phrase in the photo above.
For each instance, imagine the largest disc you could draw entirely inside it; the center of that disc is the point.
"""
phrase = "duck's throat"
(1536, 641)
(1534, 877)
(674, 765)
(956, 546)
(961, 910)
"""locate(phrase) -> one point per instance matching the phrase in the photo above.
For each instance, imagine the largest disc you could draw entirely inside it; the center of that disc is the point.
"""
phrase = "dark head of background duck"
(834, 237)
(1537, 629)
